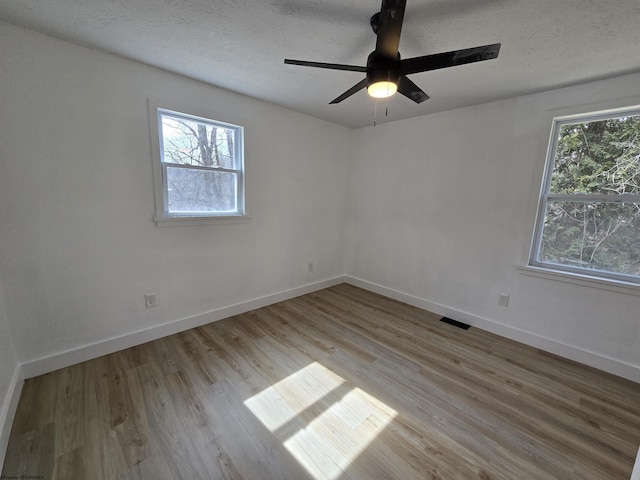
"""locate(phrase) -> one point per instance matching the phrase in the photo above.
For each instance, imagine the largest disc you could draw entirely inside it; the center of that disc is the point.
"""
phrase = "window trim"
(161, 218)
(548, 269)
(580, 279)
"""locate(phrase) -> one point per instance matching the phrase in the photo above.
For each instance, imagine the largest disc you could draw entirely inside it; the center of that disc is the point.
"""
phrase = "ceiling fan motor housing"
(381, 69)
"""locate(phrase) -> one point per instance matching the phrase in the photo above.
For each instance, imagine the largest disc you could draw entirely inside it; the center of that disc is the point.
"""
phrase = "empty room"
(320, 240)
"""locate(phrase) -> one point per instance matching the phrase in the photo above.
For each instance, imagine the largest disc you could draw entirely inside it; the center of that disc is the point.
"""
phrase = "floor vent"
(455, 323)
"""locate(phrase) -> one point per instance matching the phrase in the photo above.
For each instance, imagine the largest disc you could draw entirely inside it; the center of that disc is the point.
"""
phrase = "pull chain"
(386, 110)
(375, 113)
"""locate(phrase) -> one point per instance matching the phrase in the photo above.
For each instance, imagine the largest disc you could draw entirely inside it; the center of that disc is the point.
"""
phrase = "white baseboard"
(73, 356)
(8, 410)
(586, 357)
(87, 352)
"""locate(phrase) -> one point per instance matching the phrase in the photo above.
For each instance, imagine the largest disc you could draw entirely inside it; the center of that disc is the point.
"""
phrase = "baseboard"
(586, 357)
(87, 352)
(94, 350)
(8, 410)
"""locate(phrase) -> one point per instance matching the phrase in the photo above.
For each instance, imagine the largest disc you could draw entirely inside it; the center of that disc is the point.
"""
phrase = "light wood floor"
(339, 384)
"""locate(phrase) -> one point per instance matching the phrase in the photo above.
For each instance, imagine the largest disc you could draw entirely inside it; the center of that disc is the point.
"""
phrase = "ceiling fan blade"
(357, 87)
(389, 28)
(449, 59)
(332, 66)
(410, 90)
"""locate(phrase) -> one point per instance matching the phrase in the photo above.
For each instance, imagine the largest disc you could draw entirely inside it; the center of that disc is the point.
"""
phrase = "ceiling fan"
(385, 72)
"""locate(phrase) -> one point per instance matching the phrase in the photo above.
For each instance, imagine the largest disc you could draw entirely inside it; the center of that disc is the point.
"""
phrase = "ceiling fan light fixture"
(386, 72)
(382, 89)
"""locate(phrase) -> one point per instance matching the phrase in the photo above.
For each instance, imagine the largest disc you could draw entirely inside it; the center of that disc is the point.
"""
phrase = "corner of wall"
(8, 410)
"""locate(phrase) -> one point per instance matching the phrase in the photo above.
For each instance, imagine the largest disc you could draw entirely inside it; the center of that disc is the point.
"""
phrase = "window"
(199, 167)
(589, 214)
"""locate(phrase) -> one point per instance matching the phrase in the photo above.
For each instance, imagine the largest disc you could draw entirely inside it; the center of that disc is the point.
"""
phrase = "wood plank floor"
(338, 384)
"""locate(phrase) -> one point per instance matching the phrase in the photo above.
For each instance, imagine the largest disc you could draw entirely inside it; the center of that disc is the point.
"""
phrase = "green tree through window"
(589, 218)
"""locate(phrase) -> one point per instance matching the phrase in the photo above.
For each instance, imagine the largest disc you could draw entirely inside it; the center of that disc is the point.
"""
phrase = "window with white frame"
(589, 214)
(199, 167)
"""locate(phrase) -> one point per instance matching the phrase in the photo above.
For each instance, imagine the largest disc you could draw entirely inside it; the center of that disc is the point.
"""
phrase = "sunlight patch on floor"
(332, 423)
(284, 400)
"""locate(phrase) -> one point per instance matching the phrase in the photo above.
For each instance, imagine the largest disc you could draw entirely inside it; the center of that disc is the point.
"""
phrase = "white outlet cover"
(150, 300)
(503, 299)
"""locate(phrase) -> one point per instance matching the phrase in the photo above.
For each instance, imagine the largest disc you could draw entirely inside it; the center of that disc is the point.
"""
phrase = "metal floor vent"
(455, 323)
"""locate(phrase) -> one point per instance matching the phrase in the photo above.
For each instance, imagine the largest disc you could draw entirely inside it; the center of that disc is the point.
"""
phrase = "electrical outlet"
(150, 300)
(310, 267)
(503, 299)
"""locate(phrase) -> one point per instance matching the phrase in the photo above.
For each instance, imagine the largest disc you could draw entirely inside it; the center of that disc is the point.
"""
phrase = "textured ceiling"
(240, 45)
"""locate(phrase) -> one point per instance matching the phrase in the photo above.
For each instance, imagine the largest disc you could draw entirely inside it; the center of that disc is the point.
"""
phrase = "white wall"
(441, 214)
(79, 246)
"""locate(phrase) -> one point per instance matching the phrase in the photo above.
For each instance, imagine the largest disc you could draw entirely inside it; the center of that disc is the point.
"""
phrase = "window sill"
(584, 280)
(191, 221)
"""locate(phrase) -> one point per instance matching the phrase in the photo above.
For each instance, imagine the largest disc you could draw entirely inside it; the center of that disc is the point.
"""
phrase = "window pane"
(191, 190)
(598, 157)
(597, 236)
(192, 142)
